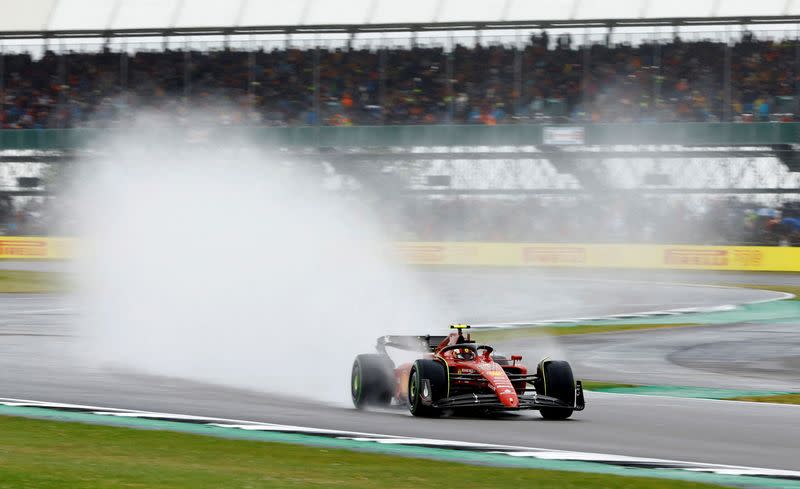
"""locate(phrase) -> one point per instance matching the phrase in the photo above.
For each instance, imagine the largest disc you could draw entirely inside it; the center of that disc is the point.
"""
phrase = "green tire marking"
(413, 387)
(357, 382)
(446, 370)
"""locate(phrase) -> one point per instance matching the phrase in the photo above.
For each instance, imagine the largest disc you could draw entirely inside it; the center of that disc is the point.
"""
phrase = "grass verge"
(778, 399)
(698, 392)
(594, 385)
(533, 331)
(50, 454)
(24, 281)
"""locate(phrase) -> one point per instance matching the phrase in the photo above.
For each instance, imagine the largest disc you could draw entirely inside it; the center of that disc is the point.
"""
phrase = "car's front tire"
(427, 383)
(372, 381)
(556, 380)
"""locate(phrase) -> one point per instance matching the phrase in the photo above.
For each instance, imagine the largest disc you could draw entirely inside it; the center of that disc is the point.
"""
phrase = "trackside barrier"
(35, 248)
(752, 258)
(683, 133)
(676, 257)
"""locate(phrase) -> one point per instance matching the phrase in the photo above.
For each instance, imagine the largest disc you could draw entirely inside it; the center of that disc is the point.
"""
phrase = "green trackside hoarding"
(699, 134)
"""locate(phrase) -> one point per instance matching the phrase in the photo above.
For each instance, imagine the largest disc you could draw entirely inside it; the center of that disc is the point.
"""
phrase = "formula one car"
(456, 373)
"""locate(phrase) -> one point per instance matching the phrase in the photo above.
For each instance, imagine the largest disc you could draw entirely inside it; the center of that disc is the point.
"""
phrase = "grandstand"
(496, 109)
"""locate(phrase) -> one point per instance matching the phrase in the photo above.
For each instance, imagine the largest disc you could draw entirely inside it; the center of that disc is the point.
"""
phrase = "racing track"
(35, 332)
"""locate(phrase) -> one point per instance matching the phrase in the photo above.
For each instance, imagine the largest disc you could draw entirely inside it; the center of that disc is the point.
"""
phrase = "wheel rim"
(412, 388)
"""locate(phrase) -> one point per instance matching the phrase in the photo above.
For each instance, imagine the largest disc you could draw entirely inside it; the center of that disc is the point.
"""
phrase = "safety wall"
(753, 258)
(690, 133)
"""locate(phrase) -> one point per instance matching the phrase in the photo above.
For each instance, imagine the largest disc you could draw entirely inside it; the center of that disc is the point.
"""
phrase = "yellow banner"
(35, 248)
(756, 258)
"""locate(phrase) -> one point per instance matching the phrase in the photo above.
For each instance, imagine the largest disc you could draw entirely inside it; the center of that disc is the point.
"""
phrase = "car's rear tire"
(556, 380)
(427, 384)
(372, 381)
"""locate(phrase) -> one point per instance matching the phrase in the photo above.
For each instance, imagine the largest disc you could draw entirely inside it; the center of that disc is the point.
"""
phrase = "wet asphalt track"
(35, 335)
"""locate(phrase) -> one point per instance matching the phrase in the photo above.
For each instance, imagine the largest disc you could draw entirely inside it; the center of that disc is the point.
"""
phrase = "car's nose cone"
(508, 397)
(501, 386)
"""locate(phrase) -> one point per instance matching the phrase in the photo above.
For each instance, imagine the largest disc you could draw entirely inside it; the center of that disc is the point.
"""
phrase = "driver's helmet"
(464, 354)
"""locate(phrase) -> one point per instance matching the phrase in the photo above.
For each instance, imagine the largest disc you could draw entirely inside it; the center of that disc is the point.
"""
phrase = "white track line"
(510, 450)
(665, 312)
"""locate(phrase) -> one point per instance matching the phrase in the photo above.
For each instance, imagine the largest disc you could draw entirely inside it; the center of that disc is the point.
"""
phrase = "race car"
(454, 372)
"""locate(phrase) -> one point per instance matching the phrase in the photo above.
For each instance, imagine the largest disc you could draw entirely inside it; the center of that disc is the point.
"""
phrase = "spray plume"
(213, 263)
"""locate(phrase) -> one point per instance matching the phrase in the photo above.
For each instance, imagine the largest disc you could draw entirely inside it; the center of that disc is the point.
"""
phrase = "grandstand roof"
(102, 18)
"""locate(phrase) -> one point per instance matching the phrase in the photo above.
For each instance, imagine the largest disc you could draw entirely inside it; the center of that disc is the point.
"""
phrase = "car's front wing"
(527, 401)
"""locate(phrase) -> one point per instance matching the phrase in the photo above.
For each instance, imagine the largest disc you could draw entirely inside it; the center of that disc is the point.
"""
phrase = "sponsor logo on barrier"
(23, 247)
(423, 253)
(463, 252)
(563, 136)
(693, 257)
(748, 258)
(554, 255)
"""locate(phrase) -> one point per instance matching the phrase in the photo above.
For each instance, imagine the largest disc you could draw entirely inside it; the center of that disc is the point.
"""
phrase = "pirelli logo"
(689, 257)
(748, 258)
(554, 255)
(422, 253)
(23, 248)
(714, 258)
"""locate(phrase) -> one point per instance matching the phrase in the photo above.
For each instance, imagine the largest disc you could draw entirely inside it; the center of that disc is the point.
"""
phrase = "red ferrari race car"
(456, 373)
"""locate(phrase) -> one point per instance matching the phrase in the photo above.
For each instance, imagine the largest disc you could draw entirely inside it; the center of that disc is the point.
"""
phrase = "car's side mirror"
(515, 359)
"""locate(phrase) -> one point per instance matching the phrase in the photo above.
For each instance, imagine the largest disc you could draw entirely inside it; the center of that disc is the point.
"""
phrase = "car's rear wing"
(425, 343)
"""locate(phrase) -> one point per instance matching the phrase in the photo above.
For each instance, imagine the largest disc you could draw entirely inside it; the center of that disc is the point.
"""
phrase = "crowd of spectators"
(546, 79)
(595, 220)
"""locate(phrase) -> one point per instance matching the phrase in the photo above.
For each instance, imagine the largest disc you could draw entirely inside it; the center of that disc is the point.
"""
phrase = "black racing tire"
(556, 380)
(427, 374)
(372, 381)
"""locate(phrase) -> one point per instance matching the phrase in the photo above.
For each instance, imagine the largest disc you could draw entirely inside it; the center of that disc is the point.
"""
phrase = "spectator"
(675, 81)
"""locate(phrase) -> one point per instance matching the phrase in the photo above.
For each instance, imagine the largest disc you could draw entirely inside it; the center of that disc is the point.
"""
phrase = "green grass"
(592, 385)
(49, 454)
(778, 399)
(789, 398)
(533, 331)
(23, 281)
